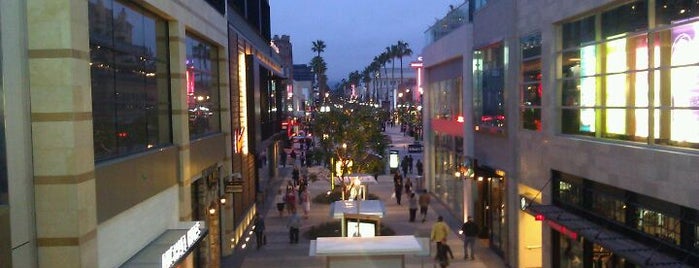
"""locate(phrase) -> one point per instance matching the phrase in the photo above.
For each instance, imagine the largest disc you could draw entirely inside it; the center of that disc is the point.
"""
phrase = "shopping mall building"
(574, 139)
(130, 128)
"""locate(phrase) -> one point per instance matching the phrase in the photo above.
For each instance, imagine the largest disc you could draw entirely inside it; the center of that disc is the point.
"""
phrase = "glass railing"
(453, 20)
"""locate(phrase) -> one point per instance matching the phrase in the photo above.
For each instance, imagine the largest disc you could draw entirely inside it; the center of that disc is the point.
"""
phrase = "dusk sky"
(354, 31)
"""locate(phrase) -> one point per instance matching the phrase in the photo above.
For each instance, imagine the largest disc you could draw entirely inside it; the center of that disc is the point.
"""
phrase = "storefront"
(596, 225)
(207, 204)
(490, 211)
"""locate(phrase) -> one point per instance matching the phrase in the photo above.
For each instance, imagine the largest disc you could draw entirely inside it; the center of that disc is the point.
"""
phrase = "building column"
(61, 119)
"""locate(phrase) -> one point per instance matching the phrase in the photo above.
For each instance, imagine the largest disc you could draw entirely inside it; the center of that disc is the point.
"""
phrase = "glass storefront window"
(488, 93)
(202, 88)
(130, 79)
(609, 207)
(570, 252)
(634, 83)
(531, 87)
(447, 187)
(663, 227)
(447, 99)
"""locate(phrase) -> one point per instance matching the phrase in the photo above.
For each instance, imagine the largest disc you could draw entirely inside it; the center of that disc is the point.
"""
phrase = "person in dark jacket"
(260, 231)
(443, 254)
(470, 231)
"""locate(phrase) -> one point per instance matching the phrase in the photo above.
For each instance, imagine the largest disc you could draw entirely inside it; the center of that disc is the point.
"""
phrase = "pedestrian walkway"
(280, 253)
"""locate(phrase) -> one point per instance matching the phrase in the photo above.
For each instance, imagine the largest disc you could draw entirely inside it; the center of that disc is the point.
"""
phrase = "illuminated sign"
(178, 250)
(238, 141)
(393, 159)
(563, 230)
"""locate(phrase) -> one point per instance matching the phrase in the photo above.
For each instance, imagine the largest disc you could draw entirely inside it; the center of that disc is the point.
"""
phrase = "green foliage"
(336, 195)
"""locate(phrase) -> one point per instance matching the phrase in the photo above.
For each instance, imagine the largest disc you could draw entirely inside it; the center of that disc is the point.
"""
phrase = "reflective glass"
(202, 88)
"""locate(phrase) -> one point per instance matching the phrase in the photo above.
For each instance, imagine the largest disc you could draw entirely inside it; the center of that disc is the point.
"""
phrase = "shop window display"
(130, 79)
(637, 82)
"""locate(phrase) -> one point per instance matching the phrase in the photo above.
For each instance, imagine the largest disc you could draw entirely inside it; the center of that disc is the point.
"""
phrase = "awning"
(170, 248)
(620, 244)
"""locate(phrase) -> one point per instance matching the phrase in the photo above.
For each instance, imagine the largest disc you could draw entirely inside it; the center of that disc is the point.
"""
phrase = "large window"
(446, 96)
(530, 87)
(489, 88)
(202, 88)
(633, 82)
(130, 79)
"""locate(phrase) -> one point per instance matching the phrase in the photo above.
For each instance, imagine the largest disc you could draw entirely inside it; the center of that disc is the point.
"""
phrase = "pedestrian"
(408, 187)
(470, 231)
(412, 206)
(410, 163)
(293, 155)
(443, 254)
(280, 202)
(306, 203)
(294, 224)
(260, 231)
(295, 175)
(439, 232)
(424, 202)
(282, 156)
(404, 165)
(418, 166)
(290, 200)
(398, 187)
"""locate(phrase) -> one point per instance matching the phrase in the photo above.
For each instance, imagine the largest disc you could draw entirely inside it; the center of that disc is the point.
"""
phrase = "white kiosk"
(365, 252)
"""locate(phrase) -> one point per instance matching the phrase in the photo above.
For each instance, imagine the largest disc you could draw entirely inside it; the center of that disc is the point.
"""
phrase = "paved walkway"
(280, 253)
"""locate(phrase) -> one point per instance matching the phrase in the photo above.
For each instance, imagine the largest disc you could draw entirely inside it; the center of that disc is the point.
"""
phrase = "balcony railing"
(453, 20)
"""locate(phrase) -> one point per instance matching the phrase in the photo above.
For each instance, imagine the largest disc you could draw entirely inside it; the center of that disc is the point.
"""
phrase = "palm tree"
(318, 46)
(402, 50)
(391, 51)
(319, 67)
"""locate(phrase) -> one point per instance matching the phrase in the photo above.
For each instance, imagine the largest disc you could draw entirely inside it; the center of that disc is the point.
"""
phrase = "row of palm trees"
(373, 70)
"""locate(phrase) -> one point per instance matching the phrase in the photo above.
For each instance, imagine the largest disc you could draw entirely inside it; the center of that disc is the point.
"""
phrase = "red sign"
(563, 230)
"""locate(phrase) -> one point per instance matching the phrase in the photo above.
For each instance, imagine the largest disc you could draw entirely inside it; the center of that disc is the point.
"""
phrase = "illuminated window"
(531, 88)
(662, 227)
(633, 83)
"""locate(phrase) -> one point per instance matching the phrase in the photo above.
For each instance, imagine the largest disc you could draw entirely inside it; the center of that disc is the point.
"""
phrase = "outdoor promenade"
(280, 253)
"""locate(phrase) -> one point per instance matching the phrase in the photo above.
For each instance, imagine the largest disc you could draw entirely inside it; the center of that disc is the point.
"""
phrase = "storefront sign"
(178, 250)
(563, 230)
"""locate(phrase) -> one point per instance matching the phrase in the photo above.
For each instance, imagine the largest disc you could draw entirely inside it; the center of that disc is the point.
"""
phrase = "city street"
(280, 253)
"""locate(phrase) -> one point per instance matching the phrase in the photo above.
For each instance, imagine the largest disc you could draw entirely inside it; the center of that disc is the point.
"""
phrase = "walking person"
(306, 203)
(408, 187)
(412, 206)
(418, 166)
(443, 254)
(280, 202)
(410, 163)
(398, 187)
(439, 233)
(260, 231)
(294, 224)
(424, 202)
(290, 199)
(470, 232)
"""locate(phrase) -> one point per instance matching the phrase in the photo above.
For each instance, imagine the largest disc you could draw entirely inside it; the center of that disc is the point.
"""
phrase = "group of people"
(440, 231)
(406, 165)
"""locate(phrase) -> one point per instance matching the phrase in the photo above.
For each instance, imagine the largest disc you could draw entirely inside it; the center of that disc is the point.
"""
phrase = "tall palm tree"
(402, 50)
(319, 68)
(392, 52)
(318, 47)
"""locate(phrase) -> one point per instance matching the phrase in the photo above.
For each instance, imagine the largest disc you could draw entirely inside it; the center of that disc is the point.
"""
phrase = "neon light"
(616, 86)
(563, 230)
(685, 83)
(588, 88)
(242, 100)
